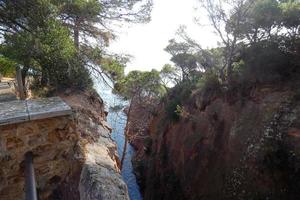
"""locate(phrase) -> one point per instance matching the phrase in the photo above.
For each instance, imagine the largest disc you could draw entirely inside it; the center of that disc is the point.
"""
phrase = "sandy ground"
(5, 79)
(7, 92)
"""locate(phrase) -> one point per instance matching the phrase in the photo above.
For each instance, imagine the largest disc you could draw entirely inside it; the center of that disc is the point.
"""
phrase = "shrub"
(171, 109)
(70, 74)
(209, 82)
(179, 94)
(267, 62)
(7, 67)
(80, 78)
(62, 77)
(42, 91)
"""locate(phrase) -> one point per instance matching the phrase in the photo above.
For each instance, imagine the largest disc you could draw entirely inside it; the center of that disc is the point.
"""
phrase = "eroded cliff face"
(226, 146)
(98, 176)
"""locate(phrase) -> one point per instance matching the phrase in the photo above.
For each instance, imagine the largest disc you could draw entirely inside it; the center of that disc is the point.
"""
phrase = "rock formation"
(226, 146)
(99, 175)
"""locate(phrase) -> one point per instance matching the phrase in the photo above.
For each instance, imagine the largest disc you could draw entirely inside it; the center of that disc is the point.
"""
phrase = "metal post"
(30, 186)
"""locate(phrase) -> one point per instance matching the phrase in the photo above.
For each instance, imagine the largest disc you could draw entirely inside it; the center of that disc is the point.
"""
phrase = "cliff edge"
(98, 176)
(225, 146)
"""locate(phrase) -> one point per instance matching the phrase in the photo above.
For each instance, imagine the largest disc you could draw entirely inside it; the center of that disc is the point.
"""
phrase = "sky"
(146, 42)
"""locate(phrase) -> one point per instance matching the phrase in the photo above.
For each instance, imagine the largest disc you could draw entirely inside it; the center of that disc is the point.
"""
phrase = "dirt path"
(7, 90)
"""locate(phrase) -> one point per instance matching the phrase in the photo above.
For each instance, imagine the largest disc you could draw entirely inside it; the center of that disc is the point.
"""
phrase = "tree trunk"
(229, 73)
(124, 148)
(126, 133)
(76, 33)
(20, 84)
(24, 74)
(44, 79)
(230, 61)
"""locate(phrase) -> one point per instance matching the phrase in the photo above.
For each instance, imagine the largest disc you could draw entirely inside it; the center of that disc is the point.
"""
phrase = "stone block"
(14, 179)
(42, 149)
(13, 112)
(47, 107)
(10, 127)
(43, 170)
(46, 157)
(13, 143)
(53, 137)
(27, 129)
(37, 139)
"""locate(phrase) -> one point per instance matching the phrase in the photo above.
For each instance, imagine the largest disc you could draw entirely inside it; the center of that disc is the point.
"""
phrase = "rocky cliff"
(225, 145)
(99, 175)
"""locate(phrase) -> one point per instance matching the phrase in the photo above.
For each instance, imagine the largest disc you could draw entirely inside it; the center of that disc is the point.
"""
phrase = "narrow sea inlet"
(117, 120)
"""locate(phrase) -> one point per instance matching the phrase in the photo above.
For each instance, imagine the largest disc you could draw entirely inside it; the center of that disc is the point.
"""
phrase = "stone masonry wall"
(75, 157)
(52, 142)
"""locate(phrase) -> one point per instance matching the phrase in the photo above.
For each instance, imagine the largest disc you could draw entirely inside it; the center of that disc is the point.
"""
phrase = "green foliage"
(138, 84)
(185, 59)
(113, 67)
(212, 59)
(265, 13)
(169, 75)
(43, 36)
(81, 17)
(239, 71)
(193, 61)
(55, 53)
(79, 76)
(290, 12)
(265, 19)
(209, 82)
(38, 91)
(260, 41)
(179, 110)
(175, 99)
(18, 47)
(88, 10)
(171, 110)
(271, 28)
(50, 51)
(7, 67)
(266, 62)
(91, 19)
(54, 41)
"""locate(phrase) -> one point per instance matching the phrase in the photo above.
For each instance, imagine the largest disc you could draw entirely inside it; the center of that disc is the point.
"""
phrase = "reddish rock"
(225, 149)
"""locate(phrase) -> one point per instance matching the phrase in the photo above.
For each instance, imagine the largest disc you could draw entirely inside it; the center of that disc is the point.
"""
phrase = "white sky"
(146, 42)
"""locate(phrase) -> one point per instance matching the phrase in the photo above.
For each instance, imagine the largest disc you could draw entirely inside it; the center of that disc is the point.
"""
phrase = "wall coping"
(18, 111)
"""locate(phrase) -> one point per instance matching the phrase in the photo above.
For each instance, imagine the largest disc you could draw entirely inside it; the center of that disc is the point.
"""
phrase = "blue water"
(117, 120)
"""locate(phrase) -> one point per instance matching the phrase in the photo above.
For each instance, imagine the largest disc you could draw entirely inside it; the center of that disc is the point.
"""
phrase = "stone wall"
(52, 142)
(74, 155)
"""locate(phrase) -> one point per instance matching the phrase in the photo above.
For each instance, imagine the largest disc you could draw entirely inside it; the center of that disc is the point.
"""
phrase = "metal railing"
(30, 184)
